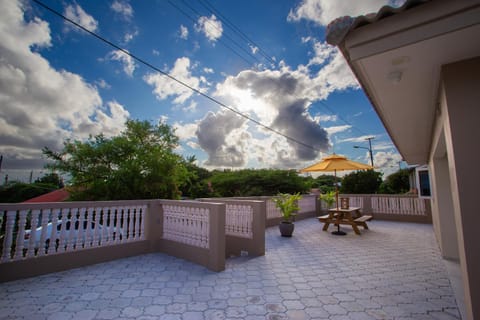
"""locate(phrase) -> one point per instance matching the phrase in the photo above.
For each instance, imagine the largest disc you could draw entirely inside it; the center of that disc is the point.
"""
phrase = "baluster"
(97, 230)
(106, 225)
(62, 247)
(72, 233)
(123, 228)
(88, 235)
(81, 230)
(22, 220)
(52, 248)
(7, 242)
(143, 212)
(43, 246)
(130, 232)
(33, 234)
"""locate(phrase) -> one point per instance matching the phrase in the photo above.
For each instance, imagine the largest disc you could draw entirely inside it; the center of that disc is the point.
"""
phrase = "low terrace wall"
(405, 208)
(74, 234)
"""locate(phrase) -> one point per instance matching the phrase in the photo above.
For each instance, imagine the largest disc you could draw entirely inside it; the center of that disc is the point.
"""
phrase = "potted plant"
(288, 205)
(328, 198)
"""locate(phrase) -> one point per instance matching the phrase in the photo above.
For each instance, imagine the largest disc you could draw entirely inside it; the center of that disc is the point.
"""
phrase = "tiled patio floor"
(392, 271)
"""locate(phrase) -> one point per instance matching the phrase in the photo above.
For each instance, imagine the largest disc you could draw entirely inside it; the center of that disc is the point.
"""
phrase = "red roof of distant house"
(54, 196)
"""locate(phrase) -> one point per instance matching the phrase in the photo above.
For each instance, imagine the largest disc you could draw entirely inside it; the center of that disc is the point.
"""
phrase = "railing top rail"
(228, 200)
(379, 195)
(101, 204)
(73, 204)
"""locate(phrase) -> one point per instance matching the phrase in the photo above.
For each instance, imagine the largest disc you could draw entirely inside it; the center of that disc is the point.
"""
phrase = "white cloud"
(101, 83)
(208, 70)
(78, 15)
(386, 162)
(210, 27)
(327, 118)
(337, 129)
(165, 87)
(123, 8)
(323, 12)
(42, 106)
(254, 49)
(155, 52)
(183, 32)
(126, 60)
(356, 139)
(129, 36)
(185, 131)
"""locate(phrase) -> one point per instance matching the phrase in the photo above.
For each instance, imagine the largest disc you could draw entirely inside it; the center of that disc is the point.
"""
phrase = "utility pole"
(369, 149)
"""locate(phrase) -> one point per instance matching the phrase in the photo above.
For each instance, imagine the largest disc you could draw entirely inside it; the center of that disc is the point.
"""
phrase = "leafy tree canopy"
(139, 163)
(361, 182)
(262, 182)
(396, 183)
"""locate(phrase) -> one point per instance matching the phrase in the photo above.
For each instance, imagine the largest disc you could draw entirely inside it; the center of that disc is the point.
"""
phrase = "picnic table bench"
(351, 216)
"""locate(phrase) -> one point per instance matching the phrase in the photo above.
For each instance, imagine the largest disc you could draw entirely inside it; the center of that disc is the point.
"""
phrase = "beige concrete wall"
(59, 262)
(461, 82)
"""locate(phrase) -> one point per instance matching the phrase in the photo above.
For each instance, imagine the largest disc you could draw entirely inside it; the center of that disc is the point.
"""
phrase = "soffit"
(400, 71)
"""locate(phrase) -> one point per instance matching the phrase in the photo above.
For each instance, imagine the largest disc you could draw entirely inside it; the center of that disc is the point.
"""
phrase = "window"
(424, 183)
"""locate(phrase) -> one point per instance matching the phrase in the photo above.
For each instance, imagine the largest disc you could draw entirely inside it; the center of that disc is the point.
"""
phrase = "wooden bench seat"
(364, 218)
(323, 218)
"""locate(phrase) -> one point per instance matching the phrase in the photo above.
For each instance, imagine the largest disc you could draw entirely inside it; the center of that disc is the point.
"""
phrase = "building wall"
(454, 162)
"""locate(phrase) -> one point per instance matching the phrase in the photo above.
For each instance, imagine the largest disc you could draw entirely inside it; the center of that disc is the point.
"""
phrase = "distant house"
(420, 67)
(54, 196)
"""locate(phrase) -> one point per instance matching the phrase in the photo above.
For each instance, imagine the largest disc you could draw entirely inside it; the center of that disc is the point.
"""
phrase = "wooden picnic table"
(351, 216)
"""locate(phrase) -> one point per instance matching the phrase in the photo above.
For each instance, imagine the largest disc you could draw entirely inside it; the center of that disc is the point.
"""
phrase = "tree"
(52, 179)
(139, 163)
(361, 182)
(396, 183)
(262, 182)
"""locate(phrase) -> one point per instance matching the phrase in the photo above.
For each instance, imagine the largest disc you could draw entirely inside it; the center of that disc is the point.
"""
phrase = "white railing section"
(29, 233)
(355, 201)
(272, 210)
(239, 220)
(307, 203)
(398, 205)
(187, 225)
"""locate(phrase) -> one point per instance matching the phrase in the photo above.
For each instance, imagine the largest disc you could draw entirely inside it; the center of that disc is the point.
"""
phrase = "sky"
(266, 60)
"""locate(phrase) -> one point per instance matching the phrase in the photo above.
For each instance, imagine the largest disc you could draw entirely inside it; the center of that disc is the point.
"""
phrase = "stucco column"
(461, 82)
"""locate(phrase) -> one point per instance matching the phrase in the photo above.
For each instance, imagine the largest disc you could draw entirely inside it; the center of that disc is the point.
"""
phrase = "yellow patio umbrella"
(336, 163)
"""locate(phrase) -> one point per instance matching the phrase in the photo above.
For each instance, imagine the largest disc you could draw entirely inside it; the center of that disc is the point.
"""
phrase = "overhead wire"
(207, 5)
(211, 8)
(166, 74)
(220, 40)
(215, 27)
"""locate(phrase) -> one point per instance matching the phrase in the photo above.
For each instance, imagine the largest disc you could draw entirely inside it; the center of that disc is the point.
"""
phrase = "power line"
(172, 77)
(224, 34)
(207, 5)
(220, 40)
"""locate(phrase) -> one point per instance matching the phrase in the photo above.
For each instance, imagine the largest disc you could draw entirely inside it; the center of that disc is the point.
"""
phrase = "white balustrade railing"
(398, 205)
(239, 220)
(272, 210)
(307, 203)
(38, 230)
(184, 224)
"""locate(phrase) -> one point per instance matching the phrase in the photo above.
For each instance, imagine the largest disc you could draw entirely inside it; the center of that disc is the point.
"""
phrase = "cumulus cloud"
(224, 137)
(164, 87)
(183, 32)
(78, 15)
(210, 27)
(323, 12)
(42, 106)
(126, 60)
(123, 8)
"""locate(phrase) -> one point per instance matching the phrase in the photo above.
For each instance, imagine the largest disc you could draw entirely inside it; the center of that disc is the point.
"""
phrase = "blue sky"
(266, 59)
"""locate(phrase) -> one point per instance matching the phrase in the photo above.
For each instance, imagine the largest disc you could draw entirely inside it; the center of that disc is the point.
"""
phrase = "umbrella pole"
(338, 232)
